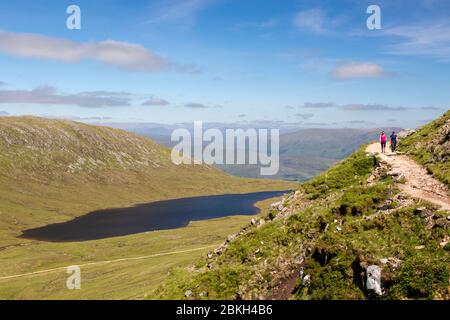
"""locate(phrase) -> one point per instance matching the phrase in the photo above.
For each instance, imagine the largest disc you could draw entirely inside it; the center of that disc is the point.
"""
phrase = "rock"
(393, 173)
(448, 218)
(419, 247)
(405, 133)
(276, 205)
(444, 241)
(261, 222)
(373, 283)
(253, 221)
(299, 261)
(441, 223)
(338, 228)
(419, 210)
(210, 255)
(188, 293)
(392, 262)
(306, 280)
(209, 266)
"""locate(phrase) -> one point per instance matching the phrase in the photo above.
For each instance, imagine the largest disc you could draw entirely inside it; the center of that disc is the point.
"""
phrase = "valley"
(54, 171)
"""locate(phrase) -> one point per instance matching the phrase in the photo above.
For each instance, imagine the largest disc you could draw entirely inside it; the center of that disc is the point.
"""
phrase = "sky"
(285, 62)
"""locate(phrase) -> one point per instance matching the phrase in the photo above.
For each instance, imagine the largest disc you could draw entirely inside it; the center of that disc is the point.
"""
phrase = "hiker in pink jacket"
(383, 139)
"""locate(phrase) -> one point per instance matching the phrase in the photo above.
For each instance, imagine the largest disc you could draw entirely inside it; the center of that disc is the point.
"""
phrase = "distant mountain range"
(304, 153)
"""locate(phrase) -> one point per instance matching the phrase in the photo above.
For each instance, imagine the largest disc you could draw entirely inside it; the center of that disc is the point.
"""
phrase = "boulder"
(405, 133)
(373, 282)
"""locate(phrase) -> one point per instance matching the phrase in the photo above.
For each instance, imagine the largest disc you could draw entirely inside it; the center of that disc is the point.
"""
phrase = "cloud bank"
(155, 102)
(355, 70)
(123, 55)
(49, 95)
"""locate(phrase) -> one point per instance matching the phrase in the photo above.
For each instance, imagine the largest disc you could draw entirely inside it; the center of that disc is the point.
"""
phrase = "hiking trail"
(418, 184)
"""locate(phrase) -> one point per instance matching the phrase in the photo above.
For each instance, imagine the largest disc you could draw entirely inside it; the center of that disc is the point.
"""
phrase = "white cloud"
(426, 39)
(119, 54)
(372, 107)
(305, 116)
(156, 102)
(196, 106)
(319, 105)
(312, 19)
(178, 11)
(47, 95)
(353, 70)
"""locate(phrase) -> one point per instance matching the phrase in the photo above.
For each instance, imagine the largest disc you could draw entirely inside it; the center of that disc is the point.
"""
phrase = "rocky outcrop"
(373, 282)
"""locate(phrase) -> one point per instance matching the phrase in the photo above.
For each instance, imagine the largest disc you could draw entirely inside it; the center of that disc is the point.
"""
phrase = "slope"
(325, 240)
(54, 170)
(430, 146)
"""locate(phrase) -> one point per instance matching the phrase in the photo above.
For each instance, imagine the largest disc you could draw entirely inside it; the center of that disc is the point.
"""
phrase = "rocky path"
(418, 183)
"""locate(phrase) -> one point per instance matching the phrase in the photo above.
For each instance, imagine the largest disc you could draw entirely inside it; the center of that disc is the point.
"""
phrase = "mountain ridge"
(349, 233)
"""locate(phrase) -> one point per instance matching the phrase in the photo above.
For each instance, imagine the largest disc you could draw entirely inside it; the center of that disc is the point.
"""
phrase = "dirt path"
(106, 262)
(419, 184)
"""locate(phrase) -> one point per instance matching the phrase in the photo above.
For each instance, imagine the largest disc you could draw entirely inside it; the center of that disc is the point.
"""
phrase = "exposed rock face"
(373, 282)
(405, 133)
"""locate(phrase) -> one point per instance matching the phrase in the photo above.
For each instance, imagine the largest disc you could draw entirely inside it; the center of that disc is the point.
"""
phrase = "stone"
(253, 221)
(373, 282)
(441, 223)
(419, 210)
(210, 255)
(306, 280)
(188, 293)
(419, 247)
(276, 205)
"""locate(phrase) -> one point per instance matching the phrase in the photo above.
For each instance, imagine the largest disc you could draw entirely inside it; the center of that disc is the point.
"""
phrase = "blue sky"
(310, 63)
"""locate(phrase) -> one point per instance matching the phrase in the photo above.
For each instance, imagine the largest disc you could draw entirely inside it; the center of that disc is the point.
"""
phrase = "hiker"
(393, 141)
(383, 139)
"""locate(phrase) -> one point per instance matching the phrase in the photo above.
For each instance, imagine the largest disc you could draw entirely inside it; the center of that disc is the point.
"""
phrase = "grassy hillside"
(306, 153)
(430, 146)
(319, 242)
(53, 170)
(303, 154)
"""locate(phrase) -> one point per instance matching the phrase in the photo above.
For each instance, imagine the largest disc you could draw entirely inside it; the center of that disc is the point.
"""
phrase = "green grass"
(336, 239)
(118, 280)
(350, 171)
(430, 146)
(135, 279)
(53, 171)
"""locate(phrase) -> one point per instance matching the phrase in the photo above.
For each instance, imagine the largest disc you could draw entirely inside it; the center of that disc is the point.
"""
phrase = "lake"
(160, 215)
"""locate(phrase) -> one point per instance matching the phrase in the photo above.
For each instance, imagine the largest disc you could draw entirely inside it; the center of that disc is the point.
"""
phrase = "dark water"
(159, 215)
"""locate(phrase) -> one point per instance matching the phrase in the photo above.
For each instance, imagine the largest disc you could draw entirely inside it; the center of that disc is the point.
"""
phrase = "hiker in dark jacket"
(393, 141)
